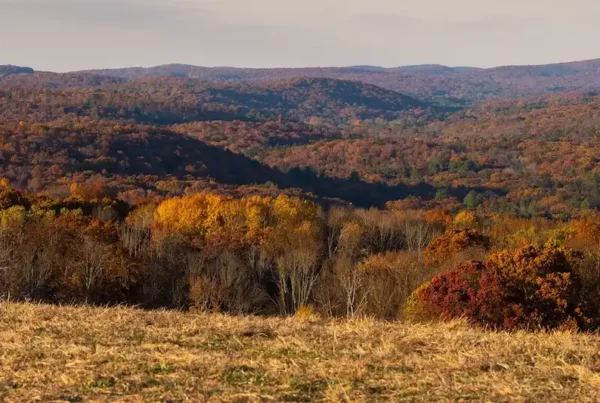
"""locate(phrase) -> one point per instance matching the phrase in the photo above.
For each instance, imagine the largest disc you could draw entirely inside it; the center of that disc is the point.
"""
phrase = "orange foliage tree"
(452, 242)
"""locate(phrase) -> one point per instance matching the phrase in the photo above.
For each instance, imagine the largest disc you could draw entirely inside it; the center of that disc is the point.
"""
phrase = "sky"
(67, 35)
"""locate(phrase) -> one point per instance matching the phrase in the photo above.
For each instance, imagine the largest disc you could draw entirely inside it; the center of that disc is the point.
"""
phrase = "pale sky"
(65, 35)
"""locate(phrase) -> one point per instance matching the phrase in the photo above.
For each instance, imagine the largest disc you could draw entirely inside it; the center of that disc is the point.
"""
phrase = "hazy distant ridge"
(425, 81)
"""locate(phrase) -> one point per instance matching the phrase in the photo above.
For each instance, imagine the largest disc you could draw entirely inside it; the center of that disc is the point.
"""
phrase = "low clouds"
(66, 35)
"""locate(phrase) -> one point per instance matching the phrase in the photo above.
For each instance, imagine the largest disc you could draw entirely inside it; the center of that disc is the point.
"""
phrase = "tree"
(437, 164)
(354, 177)
(452, 242)
(473, 199)
(441, 194)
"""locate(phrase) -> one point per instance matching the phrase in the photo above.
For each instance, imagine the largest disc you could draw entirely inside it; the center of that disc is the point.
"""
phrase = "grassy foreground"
(50, 353)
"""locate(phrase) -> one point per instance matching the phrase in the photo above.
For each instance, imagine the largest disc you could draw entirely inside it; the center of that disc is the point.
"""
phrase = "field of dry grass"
(50, 353)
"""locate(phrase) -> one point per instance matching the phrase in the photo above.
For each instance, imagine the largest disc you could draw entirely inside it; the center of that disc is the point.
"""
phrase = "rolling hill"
(454, 85)
(168, 100)
(48, 157)
(335, 138)
(133, 355)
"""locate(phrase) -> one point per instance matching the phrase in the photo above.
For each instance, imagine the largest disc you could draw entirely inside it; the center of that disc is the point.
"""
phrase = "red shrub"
(528, 288)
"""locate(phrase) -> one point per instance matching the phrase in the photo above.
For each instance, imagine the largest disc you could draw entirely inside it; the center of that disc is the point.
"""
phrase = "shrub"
(224, 283)
(465, 219)
(530, 288)
(306, 313)
(206, 294)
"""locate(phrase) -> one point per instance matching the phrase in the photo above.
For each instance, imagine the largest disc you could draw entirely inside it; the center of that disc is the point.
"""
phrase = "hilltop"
(168, 100)
(452, 84)
(10, 69)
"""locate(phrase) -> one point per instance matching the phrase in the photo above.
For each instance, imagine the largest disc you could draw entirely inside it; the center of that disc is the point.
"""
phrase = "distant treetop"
(9, 69)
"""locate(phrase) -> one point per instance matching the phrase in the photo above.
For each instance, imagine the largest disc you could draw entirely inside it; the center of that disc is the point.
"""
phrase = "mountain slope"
(168, 100)
(137, 157)
(452, 84)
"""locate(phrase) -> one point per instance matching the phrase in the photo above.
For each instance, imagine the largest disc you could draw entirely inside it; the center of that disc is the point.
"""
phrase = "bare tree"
(297, 273)
(12, 238)
(38, 261)
(135, 239)
(336, 218)
(94, 258)
(136, 233)
(225, 281)
(350, 280)
(417, 235)
(381, 230)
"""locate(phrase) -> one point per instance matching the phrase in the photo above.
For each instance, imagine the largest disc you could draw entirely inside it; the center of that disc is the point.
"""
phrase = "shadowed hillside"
(168, 100)
(45, 154)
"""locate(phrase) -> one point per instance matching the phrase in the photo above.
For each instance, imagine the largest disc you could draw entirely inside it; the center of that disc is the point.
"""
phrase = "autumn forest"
(414, 193)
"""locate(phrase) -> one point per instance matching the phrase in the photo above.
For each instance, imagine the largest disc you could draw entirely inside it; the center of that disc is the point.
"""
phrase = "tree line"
(277, 255)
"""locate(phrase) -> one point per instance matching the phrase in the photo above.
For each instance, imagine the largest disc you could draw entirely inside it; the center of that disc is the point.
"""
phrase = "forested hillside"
(164, 100)
(9, 69)
(302, 194)
(535, 156)
(452, 85)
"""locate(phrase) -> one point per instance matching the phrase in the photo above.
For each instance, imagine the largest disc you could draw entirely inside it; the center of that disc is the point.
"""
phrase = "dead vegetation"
(50, 353)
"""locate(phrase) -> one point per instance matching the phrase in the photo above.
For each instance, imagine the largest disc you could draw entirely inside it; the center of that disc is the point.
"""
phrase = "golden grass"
(50, 353)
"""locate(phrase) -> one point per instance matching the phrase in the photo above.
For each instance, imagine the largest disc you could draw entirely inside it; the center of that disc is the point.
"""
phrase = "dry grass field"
(50, 353)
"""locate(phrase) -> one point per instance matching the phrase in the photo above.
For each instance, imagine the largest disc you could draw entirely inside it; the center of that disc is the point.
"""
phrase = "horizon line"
(233, 67)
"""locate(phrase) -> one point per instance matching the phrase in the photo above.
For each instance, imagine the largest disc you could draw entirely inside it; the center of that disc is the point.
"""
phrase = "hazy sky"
(62, 35)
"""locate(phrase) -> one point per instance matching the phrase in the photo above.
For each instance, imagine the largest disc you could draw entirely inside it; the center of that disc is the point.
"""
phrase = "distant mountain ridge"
(10, 69)
(468, 84)
(454, 86)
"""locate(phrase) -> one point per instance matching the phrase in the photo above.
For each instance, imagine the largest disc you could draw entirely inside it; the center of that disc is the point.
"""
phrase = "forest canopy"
(300, 193)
